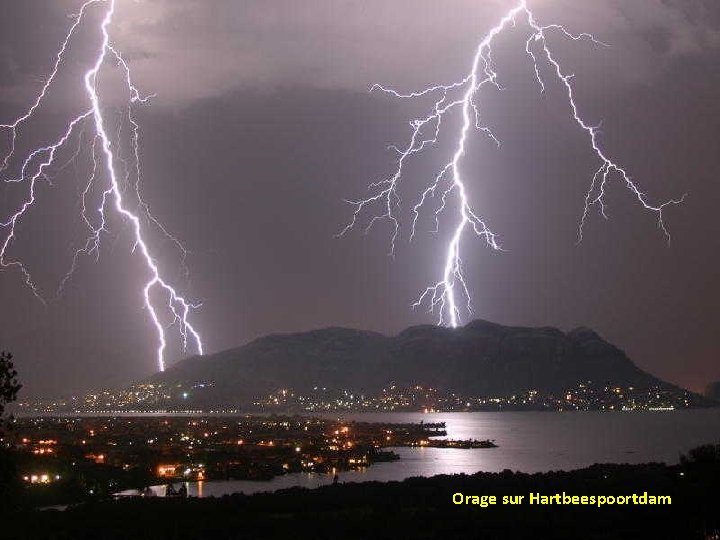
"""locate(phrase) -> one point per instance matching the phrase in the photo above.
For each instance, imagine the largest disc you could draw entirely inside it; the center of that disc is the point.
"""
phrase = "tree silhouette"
(9, 385)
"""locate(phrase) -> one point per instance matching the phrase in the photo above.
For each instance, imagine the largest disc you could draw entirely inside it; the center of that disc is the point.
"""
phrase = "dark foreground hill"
(480, 359)
(420, 508)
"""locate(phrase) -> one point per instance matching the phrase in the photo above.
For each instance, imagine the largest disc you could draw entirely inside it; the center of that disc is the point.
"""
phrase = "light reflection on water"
(528, 442)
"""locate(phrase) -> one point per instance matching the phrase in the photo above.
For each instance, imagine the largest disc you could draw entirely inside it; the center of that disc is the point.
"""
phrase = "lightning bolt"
(35, 167)
(383, 202)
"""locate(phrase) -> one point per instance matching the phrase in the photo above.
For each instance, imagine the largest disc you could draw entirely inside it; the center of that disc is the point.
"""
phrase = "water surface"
(527, 442)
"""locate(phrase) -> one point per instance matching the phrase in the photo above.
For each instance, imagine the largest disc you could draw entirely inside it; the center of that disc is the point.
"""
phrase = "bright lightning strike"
(35, 168)
(384, 201)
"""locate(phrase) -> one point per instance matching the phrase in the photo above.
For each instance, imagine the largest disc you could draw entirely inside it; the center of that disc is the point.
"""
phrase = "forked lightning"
(35, 167)
(462, 96)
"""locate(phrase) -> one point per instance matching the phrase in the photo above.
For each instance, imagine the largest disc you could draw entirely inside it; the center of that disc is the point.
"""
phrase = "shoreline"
(418, 508)
(236, 413)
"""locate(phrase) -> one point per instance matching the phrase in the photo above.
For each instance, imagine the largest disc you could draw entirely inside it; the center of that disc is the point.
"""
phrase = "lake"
(527, 442)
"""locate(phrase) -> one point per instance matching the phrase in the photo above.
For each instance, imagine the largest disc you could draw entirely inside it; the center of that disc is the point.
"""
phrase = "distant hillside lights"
(534, 369)
(144, 397)
(583, 396)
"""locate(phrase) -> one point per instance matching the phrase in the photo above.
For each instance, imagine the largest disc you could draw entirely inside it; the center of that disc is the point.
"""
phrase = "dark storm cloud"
(351, 44)
(262, 125)
(190, 49)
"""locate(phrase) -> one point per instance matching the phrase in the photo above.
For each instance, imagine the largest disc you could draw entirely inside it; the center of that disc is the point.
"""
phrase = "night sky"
(263, 124)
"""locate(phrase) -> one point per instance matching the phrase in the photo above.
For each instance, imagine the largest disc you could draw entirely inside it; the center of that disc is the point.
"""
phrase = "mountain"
(479, 359)
(713, 391)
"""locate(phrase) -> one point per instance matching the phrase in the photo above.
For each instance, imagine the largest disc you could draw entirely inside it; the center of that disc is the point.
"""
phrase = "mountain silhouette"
(480, 359)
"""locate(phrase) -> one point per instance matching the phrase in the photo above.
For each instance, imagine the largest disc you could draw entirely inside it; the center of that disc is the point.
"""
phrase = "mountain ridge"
(480, 358)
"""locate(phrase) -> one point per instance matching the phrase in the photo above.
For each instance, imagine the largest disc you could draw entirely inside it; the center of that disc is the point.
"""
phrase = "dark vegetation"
(9, 385)
(415, 508)
(9, 388)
